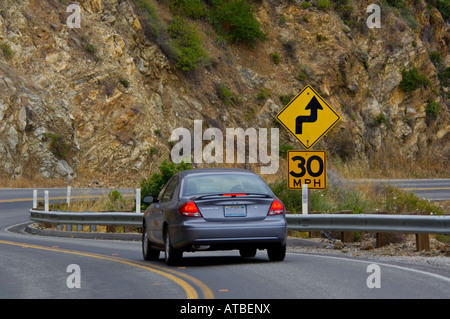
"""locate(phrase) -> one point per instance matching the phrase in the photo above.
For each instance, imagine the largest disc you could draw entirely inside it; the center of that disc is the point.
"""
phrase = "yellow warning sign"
(308, 117)
(307, 167)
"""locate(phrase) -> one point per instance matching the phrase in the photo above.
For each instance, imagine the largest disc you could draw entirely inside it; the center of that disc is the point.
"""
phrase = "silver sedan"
(214, 209)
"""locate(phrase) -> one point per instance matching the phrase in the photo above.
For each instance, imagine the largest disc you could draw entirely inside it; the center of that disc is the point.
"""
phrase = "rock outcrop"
(103, 99)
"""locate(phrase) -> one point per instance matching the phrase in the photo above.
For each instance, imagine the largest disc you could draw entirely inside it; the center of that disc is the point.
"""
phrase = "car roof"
(223, 170)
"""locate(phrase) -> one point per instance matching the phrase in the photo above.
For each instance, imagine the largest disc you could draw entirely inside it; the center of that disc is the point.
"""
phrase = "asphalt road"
(33, 266)
(432, 189)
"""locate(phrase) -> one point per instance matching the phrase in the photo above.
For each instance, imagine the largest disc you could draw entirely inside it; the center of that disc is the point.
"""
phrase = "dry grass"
(97, 203)
(391, 167)
(37, 182)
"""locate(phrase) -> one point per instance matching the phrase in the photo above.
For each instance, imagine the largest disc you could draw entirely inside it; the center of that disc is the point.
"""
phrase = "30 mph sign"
(307, 167)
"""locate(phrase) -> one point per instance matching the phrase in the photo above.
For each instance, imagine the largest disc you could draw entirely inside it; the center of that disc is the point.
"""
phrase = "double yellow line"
(425, 189)
(185, 281)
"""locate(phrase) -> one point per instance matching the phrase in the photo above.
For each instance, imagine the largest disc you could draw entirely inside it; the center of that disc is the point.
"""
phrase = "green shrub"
(319, 202)
(344, 8)
(284, 148)
(189, 8)
(412, 80)
(124, 82)
(353, 200)
(57, 145)
(444, 76)
(153, 185)
(301, 76)
(292, 199)
(320, 37)
(276, 57)
(396, 3)
(153, 28)
(89, 47)
(380, 119)
(436, 58)
(263, 94)
(432, 109)
(409, 18)
(303, 73)
(364, 58)
(444, 7)
(187, 43)
(235, 20)
(115, 202)
(227, 96)
(306, 5)
(323, 4)
(398, 202)
(6, 49)
(285, 99)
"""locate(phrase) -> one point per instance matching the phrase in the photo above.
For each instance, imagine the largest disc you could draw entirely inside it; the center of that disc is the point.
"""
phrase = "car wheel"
(276, 253)
(147, 251)
(247, 252)
(172, 255)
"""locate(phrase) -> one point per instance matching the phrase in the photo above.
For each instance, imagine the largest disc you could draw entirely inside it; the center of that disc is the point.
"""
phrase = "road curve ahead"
(33, 266)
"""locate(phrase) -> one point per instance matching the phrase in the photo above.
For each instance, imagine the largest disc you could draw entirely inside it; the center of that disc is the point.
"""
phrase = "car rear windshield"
(224, 184)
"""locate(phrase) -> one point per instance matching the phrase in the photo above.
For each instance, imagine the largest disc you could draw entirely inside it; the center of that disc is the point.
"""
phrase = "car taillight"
(189, 209)
(277, 208)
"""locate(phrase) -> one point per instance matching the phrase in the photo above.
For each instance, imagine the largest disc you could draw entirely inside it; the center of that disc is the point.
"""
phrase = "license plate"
(235, 211)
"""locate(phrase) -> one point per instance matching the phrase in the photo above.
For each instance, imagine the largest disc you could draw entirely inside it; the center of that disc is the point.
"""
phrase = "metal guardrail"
(87, 218)
(415, 224)
(322, 222)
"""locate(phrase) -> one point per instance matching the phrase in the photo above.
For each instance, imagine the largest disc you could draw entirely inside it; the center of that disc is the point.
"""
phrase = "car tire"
(148, 252)
(276, 253)
(172, 256)
(247, 252)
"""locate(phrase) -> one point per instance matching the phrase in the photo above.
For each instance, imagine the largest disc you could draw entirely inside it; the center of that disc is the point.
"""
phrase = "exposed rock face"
(103, 99)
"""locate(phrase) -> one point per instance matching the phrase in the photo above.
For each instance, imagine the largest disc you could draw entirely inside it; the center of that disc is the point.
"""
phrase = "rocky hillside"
(102, 100)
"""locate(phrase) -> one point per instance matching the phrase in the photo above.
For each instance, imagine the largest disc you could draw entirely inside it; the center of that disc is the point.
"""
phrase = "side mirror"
(148, 199)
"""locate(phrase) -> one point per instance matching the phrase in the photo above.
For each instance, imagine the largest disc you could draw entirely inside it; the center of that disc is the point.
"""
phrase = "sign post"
(305, 199)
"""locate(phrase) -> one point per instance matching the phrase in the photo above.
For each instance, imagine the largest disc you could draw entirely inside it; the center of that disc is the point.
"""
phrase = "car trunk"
(234, 209)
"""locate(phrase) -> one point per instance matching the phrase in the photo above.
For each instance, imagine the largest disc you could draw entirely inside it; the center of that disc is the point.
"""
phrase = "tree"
(152, 186)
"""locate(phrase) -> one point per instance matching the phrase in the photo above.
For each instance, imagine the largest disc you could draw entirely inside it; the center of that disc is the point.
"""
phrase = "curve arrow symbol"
(313, 105)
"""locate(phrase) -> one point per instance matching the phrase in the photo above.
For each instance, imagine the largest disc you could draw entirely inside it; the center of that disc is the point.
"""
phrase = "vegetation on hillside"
(357, 199)
(152, 185)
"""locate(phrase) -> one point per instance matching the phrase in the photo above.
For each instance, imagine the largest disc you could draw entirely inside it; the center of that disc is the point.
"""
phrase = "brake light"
(277, 208)
(234, 194)
(189, 209)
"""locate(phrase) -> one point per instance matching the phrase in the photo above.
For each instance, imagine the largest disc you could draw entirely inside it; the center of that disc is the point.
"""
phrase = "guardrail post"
(138, 200)
(46, 206)
(316, 233)
(423, 242)
(347, 236)
(69, 190)
(35, 193)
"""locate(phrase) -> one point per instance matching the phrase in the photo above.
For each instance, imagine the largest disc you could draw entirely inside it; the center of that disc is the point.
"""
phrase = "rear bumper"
(225, 235)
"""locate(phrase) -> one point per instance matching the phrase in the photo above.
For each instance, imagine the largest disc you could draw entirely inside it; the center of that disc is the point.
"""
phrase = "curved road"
(33, 266)
(432, 189)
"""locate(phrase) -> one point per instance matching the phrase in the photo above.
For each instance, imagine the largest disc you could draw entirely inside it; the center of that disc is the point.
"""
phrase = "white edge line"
(447, 279)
